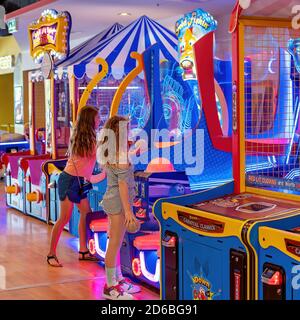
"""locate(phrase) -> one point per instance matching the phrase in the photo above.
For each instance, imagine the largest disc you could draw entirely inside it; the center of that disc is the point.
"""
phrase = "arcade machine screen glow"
(272, 106)
(134, 103)
(63, 115)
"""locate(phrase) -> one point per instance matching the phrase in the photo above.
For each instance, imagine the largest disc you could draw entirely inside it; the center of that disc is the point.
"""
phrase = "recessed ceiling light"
(124, 14)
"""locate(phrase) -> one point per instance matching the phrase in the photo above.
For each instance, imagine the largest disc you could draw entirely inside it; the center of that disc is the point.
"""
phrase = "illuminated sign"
(189, 29)
(12, 26)
(50, 33)
(7, 62)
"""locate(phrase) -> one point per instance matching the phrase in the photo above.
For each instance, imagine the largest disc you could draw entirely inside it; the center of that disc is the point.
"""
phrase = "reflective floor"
(24, 273)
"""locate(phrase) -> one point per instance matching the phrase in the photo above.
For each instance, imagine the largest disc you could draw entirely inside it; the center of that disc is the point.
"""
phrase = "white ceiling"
(92, 16)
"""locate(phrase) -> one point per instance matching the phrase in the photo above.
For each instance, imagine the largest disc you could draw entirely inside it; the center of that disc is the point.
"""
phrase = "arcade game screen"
(63, 115)
(134, 102)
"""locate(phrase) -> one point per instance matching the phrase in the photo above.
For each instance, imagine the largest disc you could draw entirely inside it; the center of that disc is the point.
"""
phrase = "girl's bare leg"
(66, 208)
(117, 224)
(84, 209)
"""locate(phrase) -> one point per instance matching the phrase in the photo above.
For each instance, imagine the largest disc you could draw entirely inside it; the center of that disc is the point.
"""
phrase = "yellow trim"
(241, 107)
(31, 114)
(72, 83)
(292, 213)
(124, 84)
(52, 169)
(269, 237)
(161, 248)
(53, 128)
(274, 194)
(232, 227)
(263, 22)
(93, 83)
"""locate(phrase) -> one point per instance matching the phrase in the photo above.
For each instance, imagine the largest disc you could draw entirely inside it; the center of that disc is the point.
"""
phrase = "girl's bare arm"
(98, 177)
(124, 195)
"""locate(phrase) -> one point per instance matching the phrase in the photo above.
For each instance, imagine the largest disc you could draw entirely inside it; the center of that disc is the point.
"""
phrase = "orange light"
(136, 267)
(35, 196)
(13, 189)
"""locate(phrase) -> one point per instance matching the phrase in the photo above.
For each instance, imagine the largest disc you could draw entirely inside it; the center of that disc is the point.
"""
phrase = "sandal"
(86, 256)
(54, 257)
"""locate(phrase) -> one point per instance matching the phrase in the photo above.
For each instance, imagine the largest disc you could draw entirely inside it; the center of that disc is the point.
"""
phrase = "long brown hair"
(83, 139)
(113, 124)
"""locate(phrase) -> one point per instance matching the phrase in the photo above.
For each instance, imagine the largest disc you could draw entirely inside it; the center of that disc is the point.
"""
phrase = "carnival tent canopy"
(116, 49)
(87, 46)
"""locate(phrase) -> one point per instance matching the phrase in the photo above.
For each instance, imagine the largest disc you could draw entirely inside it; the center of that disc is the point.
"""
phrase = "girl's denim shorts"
(68, 185)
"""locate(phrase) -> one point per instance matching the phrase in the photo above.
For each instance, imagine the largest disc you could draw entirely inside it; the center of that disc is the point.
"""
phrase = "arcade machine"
(15, 172)
(210, 246)
(174, 108)
(131, 98)
(49, 42)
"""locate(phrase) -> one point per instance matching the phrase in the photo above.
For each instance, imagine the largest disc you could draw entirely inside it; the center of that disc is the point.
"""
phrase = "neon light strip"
(292, 174)
(168, 181)
(12, 143)
(260, 166)
(148, 275)
(109, 88)
(97, 247)
(207, 185)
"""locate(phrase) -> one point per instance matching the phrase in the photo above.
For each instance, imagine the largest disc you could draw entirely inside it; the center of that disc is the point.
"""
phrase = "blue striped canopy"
(116, 49)
(77, 53)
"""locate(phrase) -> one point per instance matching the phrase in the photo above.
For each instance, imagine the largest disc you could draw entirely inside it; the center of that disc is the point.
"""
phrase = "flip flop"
(54, 257)
(86, 256)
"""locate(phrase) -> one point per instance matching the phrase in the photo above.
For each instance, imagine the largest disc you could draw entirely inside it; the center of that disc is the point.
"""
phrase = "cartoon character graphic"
(190, 29)
(202, 288)
(187, 62)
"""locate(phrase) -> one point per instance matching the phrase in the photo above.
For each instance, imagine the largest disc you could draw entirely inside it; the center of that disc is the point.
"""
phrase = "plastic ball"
(133, 227)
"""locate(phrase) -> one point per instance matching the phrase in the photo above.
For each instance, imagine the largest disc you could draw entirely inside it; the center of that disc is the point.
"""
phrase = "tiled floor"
(24, 273)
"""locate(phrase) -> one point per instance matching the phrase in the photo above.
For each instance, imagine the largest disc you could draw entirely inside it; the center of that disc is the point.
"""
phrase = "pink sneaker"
(116, 293)
(128, 286)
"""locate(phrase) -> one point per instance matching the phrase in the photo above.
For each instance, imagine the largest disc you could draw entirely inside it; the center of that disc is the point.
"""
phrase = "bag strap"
(80, 186)
(71, 158)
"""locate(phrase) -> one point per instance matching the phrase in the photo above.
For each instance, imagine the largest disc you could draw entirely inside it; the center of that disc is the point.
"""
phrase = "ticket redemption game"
(272, 100)
(169, 104)
(210, 240)
(49, 42)
(14, 180)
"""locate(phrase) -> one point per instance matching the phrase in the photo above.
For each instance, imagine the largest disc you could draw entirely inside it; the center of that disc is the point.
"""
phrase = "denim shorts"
(68, 185)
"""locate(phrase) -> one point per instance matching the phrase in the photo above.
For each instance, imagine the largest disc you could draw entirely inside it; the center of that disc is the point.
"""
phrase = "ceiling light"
(124, 14)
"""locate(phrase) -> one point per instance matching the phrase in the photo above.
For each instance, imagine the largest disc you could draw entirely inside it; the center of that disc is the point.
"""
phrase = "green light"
(12, 26)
